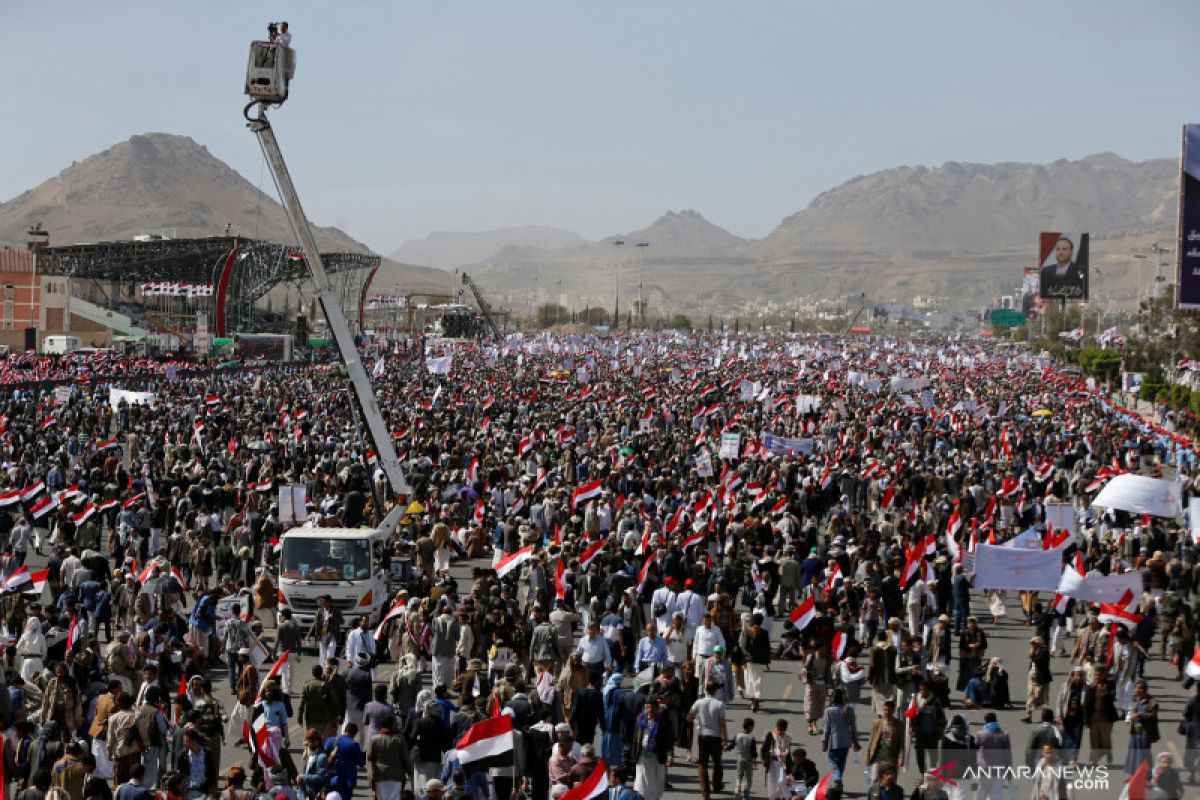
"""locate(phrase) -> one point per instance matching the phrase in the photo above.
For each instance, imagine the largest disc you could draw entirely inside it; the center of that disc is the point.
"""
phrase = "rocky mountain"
(684, 231)
(961, 232)
(448, 249)
(158, 181)
(968, 209)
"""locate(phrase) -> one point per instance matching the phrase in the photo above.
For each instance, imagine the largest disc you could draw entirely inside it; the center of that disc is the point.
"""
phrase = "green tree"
(595, 316)
(551, 314)
(680, 322)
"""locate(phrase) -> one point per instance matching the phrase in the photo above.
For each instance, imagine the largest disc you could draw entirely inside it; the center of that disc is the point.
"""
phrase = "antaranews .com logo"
(1083, 777)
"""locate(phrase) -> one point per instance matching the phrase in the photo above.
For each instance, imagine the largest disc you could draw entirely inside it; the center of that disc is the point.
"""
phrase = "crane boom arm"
(331, 305)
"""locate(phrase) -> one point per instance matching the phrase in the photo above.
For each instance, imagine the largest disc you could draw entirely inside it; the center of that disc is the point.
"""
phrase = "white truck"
(59, 345)
(344, 563)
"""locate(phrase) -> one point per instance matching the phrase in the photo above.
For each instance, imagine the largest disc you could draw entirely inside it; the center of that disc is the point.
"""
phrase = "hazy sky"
(409, 117)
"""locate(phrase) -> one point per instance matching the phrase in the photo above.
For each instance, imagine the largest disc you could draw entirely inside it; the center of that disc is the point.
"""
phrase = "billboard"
(1188, 286)
(1063, 266)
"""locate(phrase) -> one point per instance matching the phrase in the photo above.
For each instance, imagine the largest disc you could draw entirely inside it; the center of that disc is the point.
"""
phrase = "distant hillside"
(161, 181)
(969, 209)
(448, 249)
(684, 231)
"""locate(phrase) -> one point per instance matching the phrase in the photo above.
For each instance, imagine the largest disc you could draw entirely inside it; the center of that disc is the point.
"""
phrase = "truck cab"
(344, 563)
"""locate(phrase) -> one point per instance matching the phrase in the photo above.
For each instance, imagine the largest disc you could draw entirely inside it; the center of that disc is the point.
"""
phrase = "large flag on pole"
(489, 740)
(513, 560)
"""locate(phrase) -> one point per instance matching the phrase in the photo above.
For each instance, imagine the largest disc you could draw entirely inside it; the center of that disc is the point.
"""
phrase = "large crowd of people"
(613, 540)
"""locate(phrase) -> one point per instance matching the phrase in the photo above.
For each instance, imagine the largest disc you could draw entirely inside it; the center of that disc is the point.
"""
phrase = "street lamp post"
(641, 274)
(616, 321)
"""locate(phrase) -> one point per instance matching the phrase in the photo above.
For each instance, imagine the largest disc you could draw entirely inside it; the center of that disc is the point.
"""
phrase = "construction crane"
(484, 308)
(862, 306)
(267, 78)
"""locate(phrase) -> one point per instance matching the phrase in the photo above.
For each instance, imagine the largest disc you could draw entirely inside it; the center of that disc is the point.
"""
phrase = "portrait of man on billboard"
(1064, 267)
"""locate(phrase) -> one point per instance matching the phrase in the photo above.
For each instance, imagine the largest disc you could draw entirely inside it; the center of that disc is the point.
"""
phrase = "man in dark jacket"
(197, 765)
(1046, 733)
(995, 750)
(388, 761)
(358, 692)
(1038, 693)
(586, 710)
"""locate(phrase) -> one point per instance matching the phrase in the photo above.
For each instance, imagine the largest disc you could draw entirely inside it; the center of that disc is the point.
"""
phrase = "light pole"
(641, 274)
(1141, 257)
(616, 323)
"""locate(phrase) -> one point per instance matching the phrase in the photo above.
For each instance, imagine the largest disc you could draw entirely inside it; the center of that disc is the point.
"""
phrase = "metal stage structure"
(118, 268)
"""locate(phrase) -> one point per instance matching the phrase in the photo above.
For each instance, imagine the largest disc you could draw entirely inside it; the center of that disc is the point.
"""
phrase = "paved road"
(783, 697)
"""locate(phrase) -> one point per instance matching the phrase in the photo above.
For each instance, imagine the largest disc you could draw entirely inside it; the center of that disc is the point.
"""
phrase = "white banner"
(730, 445)
(1138, 494)
(115, 396)
(1061, 516)
(439, 366)
(292, 505)
(1194, 517)
(1099, 588)
(999, 567)
(704, 465)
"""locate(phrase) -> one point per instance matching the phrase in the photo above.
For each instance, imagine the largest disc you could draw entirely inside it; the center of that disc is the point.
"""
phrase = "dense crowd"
(650, 522)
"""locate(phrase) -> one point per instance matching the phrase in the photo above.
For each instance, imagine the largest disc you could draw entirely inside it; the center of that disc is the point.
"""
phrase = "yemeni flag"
(911, 711)
(107, 445)
(1193, 666)
(826, 479)
(85, 515)
(1053, 539)
(818, 791)
(473, 471)
(954, 526)
(1059, 604)
(108, 505)
(488, 742)
(644, 572)
(133, 501)
(590, 554)
(560, 580)
(392, 613)
(524, 447)
(595, 785)
(885, 502)
(37, 582)
(479, 514)
(835, 577)
(584, 493)
(804, 613)
(73, 633)
(32, 490)
(212, 400)
(272, 675)
(43, 507)
(695, 538)
(10, 498)
(513, 560)
(17, 580)
(49, 422)
(838, 645)
(1136, 788)
(912, 567)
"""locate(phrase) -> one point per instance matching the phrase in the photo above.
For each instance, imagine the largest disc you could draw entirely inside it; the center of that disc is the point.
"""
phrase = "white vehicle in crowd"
(344, 563)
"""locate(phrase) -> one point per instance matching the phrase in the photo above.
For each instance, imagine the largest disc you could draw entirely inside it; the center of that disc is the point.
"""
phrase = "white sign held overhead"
(730, 445)
(998, 567)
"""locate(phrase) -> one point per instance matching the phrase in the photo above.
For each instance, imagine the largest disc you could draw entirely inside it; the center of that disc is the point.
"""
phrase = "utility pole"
(616, 322)
(641, 274)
